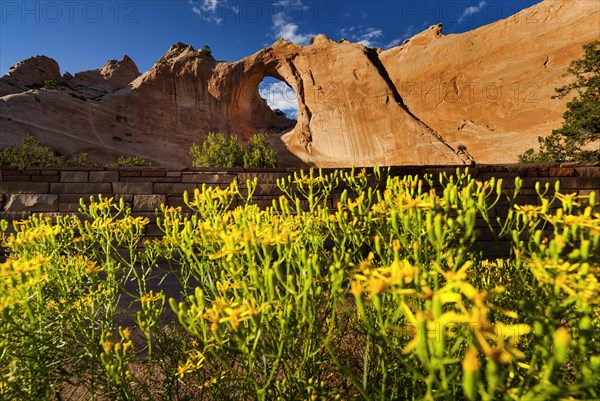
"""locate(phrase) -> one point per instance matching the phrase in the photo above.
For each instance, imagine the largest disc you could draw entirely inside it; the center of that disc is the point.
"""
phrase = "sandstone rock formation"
(28, 74)
(357, 106)
(114, 110)
(350, 113)
(491, 89)
(114, 75)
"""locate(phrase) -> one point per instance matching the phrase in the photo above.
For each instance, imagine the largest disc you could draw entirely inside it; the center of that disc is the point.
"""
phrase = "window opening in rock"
(279, 97)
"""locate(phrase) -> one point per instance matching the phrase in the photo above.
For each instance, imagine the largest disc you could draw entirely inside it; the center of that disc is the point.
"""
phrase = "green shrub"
(280, 113)
(220, 151)
(50, 84)
(82, 159)
(30, 153)
(258, 154)
(130, 161)
(206, 49)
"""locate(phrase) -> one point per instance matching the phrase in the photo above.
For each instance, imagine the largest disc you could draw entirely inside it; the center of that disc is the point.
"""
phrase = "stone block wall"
(24, 191)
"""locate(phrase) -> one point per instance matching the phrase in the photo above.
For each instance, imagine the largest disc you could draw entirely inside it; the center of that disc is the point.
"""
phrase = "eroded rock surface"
(29, 74)
(114, 75)
(489, 89)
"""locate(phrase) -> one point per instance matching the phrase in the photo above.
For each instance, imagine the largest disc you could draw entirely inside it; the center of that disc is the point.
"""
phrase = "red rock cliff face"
(491, 89)
(413, 104)
(350, 112)
(28, 74)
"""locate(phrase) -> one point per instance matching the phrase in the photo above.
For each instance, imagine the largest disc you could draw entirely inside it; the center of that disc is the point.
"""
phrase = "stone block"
(45, 178)
(9, 177)
(74, 198)
(561, 172)
(142, 179)
(588, 172)
(153, 173)
(80, 188)
(142, 188)
(268, 190)
(152, 230)
(24, 187)
(11, 217)
(68, 207)
(164, 179)
(208, 178)
(130, 173)
(526, 200)
(74, 176)
(571, 184)
(173, 188)
(30, 171)
(31, 203)
(148, 203)
(104, 176)
(176, 201)
(262, 177)
(262, 201)
(530, 171)
(127, 198)
(11, 170)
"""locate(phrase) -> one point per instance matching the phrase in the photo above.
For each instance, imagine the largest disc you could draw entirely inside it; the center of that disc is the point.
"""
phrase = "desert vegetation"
(383, 295)
(579, 137)
(130, 161)
(50, 84)
(33, 153)
(216, 151)
(206, 49)
(221, 151)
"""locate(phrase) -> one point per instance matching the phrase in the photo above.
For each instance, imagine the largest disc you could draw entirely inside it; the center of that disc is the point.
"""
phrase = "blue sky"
(83, 35)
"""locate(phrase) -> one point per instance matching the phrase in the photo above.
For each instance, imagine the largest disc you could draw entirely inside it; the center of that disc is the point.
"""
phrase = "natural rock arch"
(279, 96)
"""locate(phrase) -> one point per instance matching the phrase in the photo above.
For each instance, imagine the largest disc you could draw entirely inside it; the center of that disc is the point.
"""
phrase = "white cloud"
(394, 43)
(471, 11)
(210, 5)
(280, 96)
(285, 24)
(289, 3)
(207, 9)
(369, 37)
(410, 31)
(289, 30)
